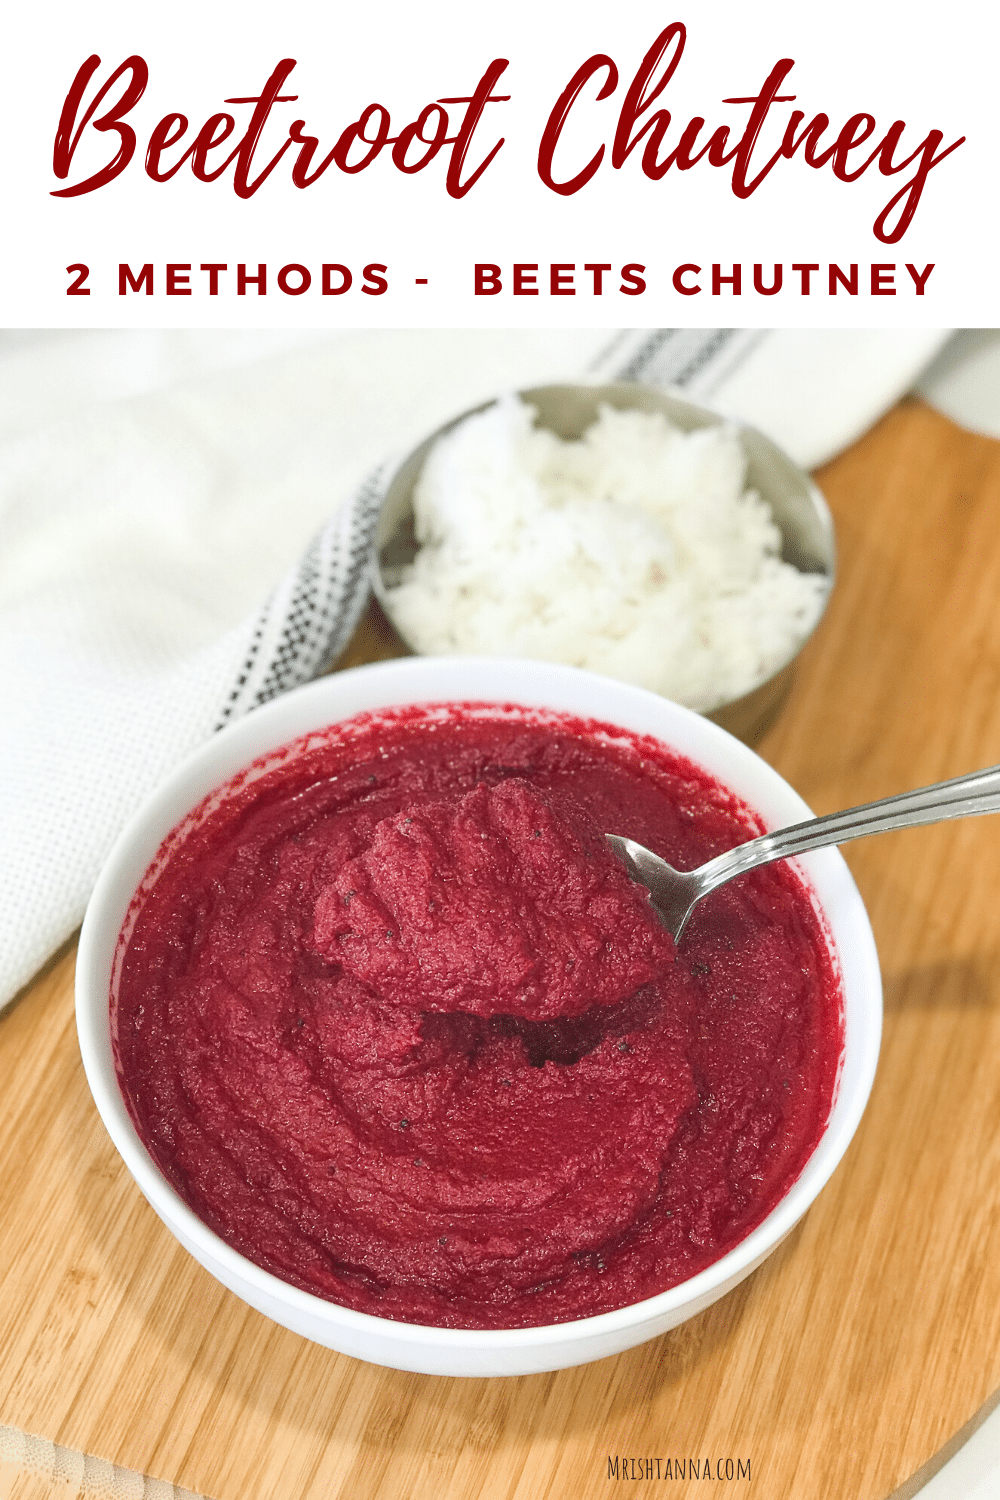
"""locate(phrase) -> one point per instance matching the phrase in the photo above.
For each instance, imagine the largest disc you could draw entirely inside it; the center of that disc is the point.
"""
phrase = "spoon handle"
(963, 797)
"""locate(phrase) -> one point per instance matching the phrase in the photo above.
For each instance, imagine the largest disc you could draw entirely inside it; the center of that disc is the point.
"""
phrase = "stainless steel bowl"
(568, 410)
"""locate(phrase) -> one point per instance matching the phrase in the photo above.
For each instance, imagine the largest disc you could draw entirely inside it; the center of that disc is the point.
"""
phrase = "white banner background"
(932, 70)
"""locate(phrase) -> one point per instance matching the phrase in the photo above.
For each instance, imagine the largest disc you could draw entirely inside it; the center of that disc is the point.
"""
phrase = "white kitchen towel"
(185, 521)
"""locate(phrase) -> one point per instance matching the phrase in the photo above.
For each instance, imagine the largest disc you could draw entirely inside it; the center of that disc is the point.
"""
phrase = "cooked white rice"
(636, 552)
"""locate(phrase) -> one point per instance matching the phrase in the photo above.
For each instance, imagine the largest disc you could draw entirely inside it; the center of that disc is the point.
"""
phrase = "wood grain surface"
(837, 1369)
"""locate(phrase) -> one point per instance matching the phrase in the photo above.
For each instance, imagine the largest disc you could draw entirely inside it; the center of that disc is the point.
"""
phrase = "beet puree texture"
(398, 1026)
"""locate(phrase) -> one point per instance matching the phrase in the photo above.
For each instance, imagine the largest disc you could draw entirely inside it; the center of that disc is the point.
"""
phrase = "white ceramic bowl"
(444, 1351)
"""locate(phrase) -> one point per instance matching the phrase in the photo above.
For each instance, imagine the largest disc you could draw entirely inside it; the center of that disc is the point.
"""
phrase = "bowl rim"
(378, 686)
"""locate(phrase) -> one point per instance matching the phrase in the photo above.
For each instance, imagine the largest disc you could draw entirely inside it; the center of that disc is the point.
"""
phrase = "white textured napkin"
(158, 493)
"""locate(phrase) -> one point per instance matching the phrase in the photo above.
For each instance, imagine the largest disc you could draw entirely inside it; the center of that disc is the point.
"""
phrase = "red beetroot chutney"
(400, 1029)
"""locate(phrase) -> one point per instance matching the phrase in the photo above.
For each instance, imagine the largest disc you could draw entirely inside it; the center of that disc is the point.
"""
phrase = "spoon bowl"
(675, 893)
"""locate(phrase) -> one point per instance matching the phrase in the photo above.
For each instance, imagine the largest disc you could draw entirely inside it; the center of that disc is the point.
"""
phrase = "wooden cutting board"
(841, 1367)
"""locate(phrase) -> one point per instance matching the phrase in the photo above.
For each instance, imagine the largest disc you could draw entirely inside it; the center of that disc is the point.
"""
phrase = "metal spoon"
(675, 893)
